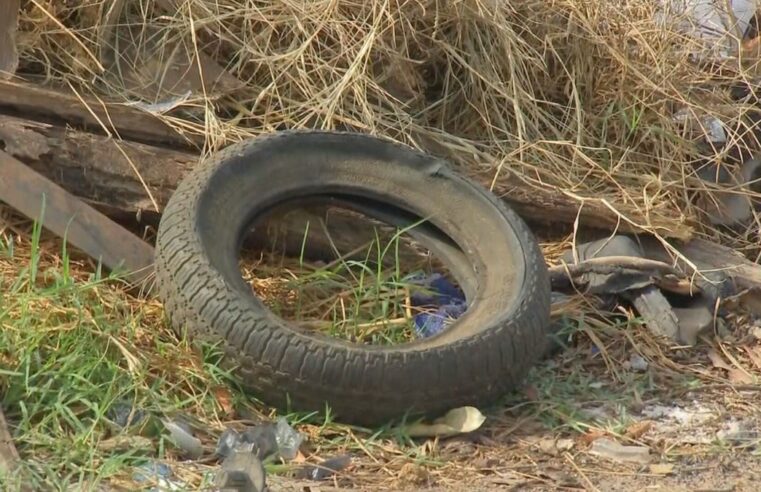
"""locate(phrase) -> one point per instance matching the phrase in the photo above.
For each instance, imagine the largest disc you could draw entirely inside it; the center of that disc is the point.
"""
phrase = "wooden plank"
(65, 215)
(62, 107)
(9, 10)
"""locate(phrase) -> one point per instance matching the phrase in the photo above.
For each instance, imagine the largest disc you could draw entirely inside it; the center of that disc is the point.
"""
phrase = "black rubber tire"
(482, 356)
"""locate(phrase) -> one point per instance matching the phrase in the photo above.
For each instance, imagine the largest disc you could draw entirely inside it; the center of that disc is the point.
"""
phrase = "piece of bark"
(9, 10)
(64, 108)
(708, 256)
(656, 311)
(65, 215)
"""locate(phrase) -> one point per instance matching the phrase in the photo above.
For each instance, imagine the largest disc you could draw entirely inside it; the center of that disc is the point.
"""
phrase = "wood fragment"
(37, 197)
(9, 10)
(567, 277)
(656, 311)
(707, 256)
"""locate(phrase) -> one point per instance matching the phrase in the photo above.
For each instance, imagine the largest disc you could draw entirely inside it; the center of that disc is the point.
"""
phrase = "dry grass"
(572, 96)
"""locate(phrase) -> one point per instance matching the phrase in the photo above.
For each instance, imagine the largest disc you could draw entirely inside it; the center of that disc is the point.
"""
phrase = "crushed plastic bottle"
(288, 439)
(612, 450)
(184, 439)
(326, 469)
(260, 440)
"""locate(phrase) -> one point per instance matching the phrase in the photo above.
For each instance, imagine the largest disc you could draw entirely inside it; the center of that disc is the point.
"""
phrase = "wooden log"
(64, 108)
(121, 174)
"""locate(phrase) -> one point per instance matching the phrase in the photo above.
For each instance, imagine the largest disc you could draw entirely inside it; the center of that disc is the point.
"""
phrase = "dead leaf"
(638, 429)
(755, 355)
(225, 400)
(457, 421)
(661, 468)
(590, 436)
(718, 361)
(737, 376)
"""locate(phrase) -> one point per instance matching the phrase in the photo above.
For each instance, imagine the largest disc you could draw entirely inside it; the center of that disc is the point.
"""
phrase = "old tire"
(480, 357)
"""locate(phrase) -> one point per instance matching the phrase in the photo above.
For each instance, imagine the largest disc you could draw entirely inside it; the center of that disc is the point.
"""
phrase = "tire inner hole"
(329, 269)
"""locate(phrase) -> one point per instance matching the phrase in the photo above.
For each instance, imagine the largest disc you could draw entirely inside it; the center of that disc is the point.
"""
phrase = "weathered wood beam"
(121, 174)
(64, 108)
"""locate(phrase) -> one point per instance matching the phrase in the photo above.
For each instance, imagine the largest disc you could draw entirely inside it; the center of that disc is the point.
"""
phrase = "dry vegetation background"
(573, 96)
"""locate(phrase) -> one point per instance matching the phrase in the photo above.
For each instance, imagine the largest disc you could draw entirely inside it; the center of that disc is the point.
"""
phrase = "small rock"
(612, 450)
(151, 471)
(756, 330)
(637, 363)
(555, 447)
(694, 321)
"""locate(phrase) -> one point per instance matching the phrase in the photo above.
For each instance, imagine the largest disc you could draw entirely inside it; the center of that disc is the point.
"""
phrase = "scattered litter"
(714, 128)
(164, 106)
(288, 439)
(709, 22)
(683, 425)
(739, 433)
(684, 417)
(158, 473)
(241, 471)
(637, 363)
(326, 469)
(260, 440)
(612, 450)
(184, 439)
(457, 421)
(440, 294)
